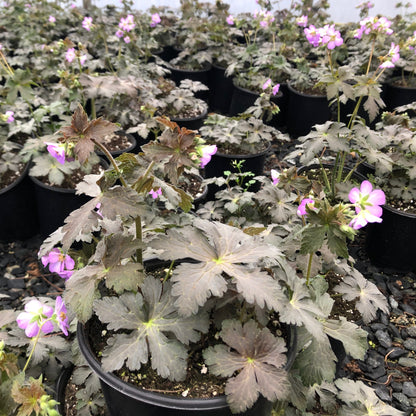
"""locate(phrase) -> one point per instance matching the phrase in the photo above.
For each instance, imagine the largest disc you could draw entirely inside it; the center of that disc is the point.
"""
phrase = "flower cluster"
(87, 23)
(268, 84)
(325, 36)
(40, 317)
(126, 25)
(373, 26)
(266, 17)
(59, 263)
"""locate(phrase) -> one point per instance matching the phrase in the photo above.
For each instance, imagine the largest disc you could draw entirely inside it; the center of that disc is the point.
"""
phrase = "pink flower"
(374, 26)
(275, 89)
(57, 151)
(155, 194)
(70, 55)
(9, 116)
(127, 23)
(331, 37)
(52, 19)
(394, 56)
(61, 318)
(155, 20)
(35, 317)
(119, 33)
(82, 59)
(312, 35)
(367, 204)
(275, 176)
(267, 84)
(306, 202)
(59, 263)
(230, 20)
(207, 152)
(302, 21)
(73, 6)
(87, 23)
(127, 39)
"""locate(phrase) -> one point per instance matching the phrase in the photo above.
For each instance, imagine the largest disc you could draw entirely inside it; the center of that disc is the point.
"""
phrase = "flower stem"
(308, 273)
(112, 161)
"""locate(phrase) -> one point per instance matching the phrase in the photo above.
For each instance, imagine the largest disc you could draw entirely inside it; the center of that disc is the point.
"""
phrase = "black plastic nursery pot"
(55, 204)
(396, 95)
(18, 210)
(221, 162)
(241, 99)
(201, 75)
(124, 399)
(304, 111)
(191, 123)
(392, 242)
(220, 90)
(60, 387)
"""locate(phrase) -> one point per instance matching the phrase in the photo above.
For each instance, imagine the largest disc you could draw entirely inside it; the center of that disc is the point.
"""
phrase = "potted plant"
(389, 244)
(142, 187)
(243, 138)
(20, 218)
(180, 103)
(56, 175)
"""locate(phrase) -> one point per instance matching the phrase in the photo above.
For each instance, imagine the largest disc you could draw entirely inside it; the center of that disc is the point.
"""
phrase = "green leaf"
(370, 299)
(81, 290)
(361, 400)
(148, 317)
(313, 237)
(219, 249)
(257, 356)
(316, 359)
(125, 277)
(120, 201)
(353, 338)
(79, 224)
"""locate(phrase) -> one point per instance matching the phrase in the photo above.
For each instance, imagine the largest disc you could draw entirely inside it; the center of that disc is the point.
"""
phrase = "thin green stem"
(112, 161)
(139, 236)
(308, 273)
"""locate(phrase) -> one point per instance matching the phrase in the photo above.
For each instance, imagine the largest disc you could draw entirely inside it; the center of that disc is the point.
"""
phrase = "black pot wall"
(241, 99)
(203, 75)
(304, 111)
(18, 210)
(396, 95)
(220, 90)
(55, 204)
(392, 243)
